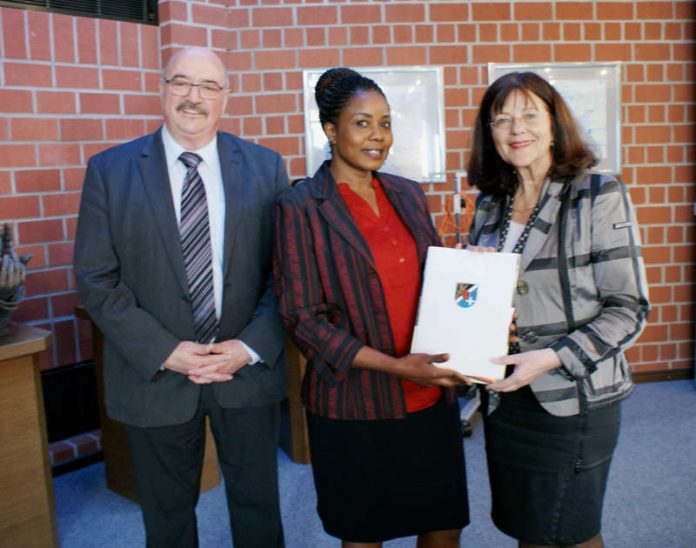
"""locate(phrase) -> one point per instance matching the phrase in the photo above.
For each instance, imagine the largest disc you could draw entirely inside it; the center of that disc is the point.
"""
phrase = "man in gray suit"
(173, 262)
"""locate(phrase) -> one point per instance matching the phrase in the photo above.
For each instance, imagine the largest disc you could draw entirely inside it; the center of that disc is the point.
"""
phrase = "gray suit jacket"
(584, 288)
(131, 278)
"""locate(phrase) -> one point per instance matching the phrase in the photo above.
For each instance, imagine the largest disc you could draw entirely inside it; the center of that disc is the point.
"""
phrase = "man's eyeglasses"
(207, 90)
(529, 119)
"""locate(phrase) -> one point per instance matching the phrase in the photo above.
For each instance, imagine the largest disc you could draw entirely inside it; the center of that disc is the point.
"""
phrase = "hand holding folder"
(466, 309)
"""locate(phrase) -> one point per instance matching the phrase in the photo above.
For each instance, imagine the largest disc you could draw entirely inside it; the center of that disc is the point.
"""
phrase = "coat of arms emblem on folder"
(465, 294)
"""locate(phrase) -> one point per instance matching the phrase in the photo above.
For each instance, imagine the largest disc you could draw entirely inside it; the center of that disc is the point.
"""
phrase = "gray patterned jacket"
(581, 290)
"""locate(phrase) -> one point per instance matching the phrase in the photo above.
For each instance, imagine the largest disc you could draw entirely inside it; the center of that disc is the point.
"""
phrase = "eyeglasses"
(529, 119)
(207, 90)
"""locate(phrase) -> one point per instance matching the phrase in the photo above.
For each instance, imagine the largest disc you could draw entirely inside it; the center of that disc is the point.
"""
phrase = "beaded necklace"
(514, 347)
(507, 217)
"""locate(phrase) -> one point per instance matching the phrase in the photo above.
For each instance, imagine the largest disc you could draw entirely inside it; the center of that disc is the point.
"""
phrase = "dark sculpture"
(12, 275)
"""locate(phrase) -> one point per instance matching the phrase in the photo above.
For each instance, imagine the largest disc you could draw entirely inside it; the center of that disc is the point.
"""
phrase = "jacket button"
(522, 287)
(529, 337)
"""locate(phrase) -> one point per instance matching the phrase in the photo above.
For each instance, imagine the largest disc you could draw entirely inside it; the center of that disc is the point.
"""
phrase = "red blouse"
(394, 251)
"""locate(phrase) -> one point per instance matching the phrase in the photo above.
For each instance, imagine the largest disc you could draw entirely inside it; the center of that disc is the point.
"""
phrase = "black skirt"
(383, 479)
(548, 474)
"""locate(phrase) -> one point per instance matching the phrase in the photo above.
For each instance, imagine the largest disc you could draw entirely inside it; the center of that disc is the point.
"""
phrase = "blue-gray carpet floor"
(650, 503)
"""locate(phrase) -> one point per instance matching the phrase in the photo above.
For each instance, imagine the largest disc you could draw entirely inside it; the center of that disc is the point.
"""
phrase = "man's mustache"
(189, 105)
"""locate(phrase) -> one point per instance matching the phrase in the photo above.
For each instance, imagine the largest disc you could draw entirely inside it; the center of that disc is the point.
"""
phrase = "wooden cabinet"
(27, 507)
(293, 436)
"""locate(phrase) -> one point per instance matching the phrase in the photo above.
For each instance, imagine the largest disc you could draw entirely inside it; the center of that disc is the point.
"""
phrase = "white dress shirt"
(211, 174)
(515, 230)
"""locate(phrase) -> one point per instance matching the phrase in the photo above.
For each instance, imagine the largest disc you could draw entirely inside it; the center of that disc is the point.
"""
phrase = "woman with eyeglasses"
(552, 424)
(383, 423)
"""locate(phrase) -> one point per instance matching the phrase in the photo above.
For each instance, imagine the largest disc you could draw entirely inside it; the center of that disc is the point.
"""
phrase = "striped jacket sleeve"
(307, 314)
(619, 279)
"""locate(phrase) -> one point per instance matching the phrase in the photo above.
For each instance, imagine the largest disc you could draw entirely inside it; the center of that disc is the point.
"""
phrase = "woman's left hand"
(480, 249)
(528, 366)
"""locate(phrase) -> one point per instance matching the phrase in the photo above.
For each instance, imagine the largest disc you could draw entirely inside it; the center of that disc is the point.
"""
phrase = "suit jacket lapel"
(540, 233)
(336, 213)
(155, 178)
(485, 228)
(489, 215)
(235, 193)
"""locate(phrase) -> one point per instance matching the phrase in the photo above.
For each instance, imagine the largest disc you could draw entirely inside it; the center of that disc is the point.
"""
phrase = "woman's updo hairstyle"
(336, 87)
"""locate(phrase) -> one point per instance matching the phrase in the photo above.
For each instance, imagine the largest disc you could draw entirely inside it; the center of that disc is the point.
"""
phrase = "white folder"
(465, 310)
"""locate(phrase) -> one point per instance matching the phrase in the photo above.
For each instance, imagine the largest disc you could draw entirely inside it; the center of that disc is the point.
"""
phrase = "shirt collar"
(173, 150)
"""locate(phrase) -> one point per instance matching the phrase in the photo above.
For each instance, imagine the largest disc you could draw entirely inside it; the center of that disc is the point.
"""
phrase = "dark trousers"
(168, 461)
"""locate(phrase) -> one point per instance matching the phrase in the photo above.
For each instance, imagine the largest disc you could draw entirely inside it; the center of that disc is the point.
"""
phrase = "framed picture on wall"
(415, 95)
(593, 93)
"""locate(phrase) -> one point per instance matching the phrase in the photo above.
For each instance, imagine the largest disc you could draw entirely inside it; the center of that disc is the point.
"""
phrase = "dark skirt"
(382, 479)
(548, 474)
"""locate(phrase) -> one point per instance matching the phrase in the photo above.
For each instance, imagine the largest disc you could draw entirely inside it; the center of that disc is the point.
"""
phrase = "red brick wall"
(72, 86)
(69, 88)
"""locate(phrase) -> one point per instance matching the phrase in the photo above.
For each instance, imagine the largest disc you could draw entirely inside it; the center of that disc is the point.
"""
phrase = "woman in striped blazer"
(581, 300)
(383, 424)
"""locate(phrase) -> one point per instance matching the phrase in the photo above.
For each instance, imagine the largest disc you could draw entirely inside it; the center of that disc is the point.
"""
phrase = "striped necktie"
(195, 245)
